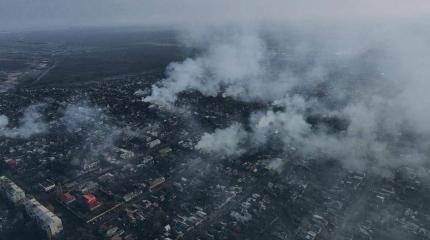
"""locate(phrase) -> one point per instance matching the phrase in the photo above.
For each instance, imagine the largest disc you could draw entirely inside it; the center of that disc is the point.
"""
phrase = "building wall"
(11, 191)
(47, 220)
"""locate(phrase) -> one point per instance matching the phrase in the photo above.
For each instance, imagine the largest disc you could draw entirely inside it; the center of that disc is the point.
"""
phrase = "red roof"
(11, 162)
(67, 197)
(90, 199)
(93, 205)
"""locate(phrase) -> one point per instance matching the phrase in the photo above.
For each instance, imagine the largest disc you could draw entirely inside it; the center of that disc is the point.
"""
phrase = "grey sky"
(27, 14)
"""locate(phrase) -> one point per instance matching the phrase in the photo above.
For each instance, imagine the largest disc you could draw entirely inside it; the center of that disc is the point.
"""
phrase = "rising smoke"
(224, 142)
(29, 124)
(97, 132)
(377, 86)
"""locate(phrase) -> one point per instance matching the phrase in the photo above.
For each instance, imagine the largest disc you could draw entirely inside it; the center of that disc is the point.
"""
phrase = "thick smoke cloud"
(236, 63)
(372, 76)
(223, 142)
(375, 87)
(31, 123)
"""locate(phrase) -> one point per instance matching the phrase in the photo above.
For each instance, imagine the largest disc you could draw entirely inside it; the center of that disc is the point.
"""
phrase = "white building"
(11, 191)
(47, 185)
(46, 219)
(154, 143)
(87, 164)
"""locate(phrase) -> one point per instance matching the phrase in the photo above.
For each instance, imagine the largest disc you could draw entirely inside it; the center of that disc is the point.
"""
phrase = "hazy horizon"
(24, 15)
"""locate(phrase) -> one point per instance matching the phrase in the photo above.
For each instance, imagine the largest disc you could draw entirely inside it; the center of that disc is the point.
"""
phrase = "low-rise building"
(157, 182)
(68, 198)
(154, 143)
(90, 201)
(47, 185)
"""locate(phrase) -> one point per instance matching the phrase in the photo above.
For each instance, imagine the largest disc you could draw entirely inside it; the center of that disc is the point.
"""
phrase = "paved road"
(41, 76)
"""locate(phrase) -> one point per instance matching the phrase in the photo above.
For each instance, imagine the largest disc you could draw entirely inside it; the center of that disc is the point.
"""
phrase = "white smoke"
(4, 121)
(30, 124)
(82, 115)
(223, 142)
(99, 135)
(237, 66)
(377, 85)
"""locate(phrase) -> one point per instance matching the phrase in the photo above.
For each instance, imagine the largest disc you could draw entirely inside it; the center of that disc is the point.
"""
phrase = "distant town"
(85, 157)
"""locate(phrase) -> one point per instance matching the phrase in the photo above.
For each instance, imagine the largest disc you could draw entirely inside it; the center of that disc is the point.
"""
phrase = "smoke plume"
(94, 126)
(223, 142)
(31, 123)
(375, 88)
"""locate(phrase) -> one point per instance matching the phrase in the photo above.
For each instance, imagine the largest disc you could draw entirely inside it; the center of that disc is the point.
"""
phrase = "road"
(44, 73)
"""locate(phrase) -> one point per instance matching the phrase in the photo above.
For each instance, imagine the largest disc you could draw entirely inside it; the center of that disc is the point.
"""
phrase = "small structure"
(68, 198)
(154, 143)
(89, 164)
(90, 201)
(124, 153)
(165, 151)
(157, 182)
(11, 162)
(47, 185)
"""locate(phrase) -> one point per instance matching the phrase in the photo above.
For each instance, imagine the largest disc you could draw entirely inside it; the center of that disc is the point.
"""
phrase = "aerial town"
(86, 157)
